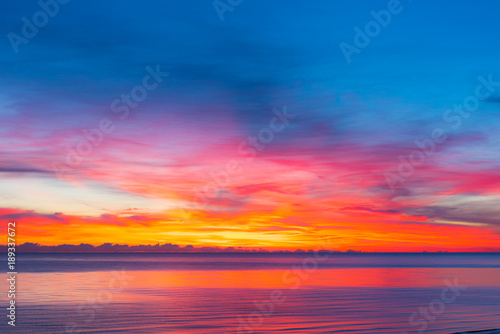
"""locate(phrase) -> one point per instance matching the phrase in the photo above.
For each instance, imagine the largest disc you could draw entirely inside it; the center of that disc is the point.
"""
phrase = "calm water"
(258, 293)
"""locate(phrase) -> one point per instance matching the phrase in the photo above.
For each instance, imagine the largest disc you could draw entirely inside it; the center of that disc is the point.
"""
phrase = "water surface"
(255, 293)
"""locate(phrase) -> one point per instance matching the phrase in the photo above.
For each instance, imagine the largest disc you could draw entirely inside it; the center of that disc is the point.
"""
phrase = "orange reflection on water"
(346, 277)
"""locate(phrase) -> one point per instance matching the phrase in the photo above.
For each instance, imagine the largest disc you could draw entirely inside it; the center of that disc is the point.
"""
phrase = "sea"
(253, 293)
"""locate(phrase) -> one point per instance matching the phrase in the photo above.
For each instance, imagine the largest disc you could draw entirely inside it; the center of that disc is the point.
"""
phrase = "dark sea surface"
(254, 293)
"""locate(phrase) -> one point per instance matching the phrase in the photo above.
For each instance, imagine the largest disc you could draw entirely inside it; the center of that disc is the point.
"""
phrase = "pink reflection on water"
(75, 287)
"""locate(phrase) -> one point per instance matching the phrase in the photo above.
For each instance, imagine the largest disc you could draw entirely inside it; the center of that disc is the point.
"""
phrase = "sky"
(252, 124)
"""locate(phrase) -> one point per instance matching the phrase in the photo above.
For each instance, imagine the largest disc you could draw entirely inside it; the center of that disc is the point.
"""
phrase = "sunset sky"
(262, 134)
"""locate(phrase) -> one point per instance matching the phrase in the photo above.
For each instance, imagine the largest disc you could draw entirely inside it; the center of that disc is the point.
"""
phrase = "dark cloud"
(21, 169)
(31, 214)
(473, 212)
(109, 247)
(369, 209)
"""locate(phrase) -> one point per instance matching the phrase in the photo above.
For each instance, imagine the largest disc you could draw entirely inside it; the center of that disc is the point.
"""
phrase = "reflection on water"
(344, 295)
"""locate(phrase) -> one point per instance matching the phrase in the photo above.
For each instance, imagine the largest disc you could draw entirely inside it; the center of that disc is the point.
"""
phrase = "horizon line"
(28, 247)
